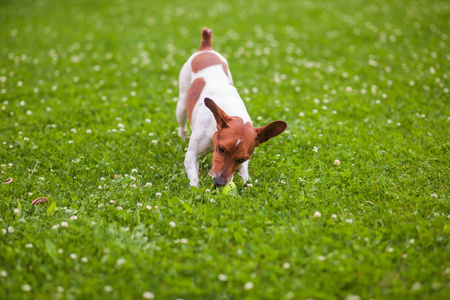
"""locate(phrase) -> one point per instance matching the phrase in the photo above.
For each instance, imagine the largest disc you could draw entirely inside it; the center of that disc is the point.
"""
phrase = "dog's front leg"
(199, 144)
(243, 171)
(191, 165)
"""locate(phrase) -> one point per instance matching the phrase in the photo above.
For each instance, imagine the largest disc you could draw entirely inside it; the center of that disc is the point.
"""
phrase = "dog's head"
(234, 142)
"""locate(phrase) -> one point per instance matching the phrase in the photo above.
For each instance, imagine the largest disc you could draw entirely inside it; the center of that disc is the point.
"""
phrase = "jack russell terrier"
(222, 125)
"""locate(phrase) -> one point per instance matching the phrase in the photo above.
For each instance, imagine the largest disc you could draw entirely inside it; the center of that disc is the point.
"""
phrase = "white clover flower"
(16, 211)
(321, 258)
(29, 245)
(337, 162)
(334, 216)
(119, 207)
(148, 295)
(88, 131)
(249, 285)
(3, 273)
(120, 261)
(154, 142)
(108, 288)
(84, 259)
(64, 224)
(139, 205)
(212, 200)
(184, 241)
(134, 170)
(74, 218)
(11, 229)
(286, 265)
(148, 184)
(41, 178)
(317, 214)
(158, 194)
(26, 287)
(148, 207)
(4, 231)
(172, 224)
(112, 201)
(349, 221)
(315, 149)
(223, 277)
(73, 256)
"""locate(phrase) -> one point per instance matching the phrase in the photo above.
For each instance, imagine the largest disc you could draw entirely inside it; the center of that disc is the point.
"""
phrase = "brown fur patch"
(193, 94)
(207, 59)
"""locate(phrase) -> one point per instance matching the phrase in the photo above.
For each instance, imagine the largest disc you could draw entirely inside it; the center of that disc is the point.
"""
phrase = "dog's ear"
(222, 119)
(269, 131)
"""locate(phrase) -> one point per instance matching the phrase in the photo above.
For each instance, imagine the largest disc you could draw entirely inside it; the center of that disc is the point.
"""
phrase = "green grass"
(88, 91)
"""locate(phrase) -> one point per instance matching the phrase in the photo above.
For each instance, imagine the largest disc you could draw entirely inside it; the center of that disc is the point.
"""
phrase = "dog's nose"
(220, 181)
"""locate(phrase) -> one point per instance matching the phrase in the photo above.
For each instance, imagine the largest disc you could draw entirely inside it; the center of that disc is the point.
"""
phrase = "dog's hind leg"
(184, 83)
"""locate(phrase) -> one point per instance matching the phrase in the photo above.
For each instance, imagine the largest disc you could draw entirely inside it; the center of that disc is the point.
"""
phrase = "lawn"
(88, 91)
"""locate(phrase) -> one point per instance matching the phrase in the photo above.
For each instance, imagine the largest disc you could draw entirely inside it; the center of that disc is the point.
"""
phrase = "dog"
(218, 118)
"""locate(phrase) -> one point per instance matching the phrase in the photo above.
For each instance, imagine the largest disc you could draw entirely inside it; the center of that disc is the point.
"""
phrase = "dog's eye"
(221, 150)
(242, 160)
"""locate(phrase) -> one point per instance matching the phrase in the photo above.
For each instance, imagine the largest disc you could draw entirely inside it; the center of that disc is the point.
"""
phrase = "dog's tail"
(206, 43)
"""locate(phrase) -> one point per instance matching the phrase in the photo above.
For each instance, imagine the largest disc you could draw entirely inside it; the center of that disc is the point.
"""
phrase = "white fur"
(218, 87)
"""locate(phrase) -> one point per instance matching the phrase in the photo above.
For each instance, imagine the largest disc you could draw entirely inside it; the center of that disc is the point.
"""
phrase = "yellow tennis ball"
(229, 188)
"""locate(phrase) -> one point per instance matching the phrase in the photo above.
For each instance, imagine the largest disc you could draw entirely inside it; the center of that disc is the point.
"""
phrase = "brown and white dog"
(222, 125)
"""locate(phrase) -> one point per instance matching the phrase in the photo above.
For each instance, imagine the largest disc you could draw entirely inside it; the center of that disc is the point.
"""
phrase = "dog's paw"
(194, 183)
(182, 134)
